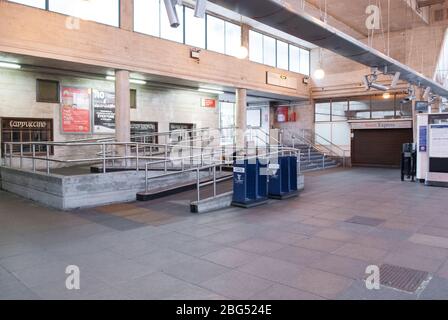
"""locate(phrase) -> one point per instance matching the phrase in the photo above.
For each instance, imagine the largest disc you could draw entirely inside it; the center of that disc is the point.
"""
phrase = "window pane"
(282, 55)
(147, 17)
(169, 33)
(360, 109)
(233, 39)
(255, 46)
(383, 108)
(33, 3)
(269, 54)
(215, 34)
(323, 133)
(323, 111)
(341, 134)
(103, 11)
(339, 110)
(304, 62)
(194, 29)
(294, 59)
(404, 110)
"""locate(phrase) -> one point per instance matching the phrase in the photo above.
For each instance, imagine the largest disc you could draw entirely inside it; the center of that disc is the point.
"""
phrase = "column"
(245, 38)
(127, 15)
(419, 97)
(241, 116)
(122, 106)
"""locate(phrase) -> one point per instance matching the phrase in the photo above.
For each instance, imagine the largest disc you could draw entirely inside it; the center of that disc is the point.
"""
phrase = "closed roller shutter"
(379, 148)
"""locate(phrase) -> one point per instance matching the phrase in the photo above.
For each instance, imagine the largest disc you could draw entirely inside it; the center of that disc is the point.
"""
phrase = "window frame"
(58, 90)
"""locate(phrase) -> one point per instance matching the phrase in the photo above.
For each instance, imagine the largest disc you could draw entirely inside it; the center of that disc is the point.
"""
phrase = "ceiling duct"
(302, 25)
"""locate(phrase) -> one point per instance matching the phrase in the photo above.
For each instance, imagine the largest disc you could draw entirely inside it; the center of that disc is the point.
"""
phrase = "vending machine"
(432, 149)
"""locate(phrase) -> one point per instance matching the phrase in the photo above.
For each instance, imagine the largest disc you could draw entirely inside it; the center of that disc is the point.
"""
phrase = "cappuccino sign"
(27, 124)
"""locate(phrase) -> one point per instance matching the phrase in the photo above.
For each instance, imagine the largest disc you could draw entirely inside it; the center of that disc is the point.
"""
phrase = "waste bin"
(283, 178)
(409, 161)
(249, 184)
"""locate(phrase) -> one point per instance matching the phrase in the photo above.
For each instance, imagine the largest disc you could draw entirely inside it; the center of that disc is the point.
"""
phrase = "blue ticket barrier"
(249, 185)
(283, 178)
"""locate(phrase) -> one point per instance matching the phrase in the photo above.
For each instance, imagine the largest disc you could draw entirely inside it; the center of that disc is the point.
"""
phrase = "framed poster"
(103, 112)
(75, 110)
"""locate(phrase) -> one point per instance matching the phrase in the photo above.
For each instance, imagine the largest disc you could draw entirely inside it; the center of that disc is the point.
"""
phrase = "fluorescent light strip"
(214, 91)
(134, 81)
(10, 65)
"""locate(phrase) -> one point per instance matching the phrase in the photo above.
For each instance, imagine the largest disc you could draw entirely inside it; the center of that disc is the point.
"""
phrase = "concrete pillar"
(122, 106)
(245, 37)
(127, 15)
(241, 116)
(418, 97)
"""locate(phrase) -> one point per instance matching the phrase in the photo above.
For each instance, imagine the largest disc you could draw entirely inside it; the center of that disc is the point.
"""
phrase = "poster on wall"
(103, 112)
(75, 110)
(439, 141)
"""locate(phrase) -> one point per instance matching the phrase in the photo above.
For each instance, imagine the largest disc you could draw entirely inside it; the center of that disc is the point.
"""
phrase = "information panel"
(75, 110)
(103, 112)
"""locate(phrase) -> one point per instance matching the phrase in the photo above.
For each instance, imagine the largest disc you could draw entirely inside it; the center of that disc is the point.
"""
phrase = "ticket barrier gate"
(283, 178)
(250, 184)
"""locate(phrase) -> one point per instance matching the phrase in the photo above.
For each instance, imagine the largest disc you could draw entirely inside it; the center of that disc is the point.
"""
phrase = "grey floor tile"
(195, 270)
(358, 291)
(281, 292)
(298, 255)
(259, 246)
(437, 289)
(237, 285)
(230, 257)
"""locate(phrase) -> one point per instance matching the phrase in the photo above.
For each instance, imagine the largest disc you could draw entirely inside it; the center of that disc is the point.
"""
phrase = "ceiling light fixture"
(134, 81)
(9, 65)
(242, 53)
(213, 91)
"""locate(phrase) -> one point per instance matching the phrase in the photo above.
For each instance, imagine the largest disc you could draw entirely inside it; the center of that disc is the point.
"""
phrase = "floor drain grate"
(366, 221)
(401, 278)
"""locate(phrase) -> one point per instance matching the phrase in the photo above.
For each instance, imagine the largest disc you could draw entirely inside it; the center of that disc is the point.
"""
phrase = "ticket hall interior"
(224, 149)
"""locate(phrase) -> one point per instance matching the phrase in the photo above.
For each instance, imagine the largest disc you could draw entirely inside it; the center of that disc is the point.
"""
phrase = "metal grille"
(366, 221)
(401, 278)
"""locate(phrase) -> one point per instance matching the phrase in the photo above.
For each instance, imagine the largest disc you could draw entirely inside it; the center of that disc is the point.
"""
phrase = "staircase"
(314, 156)
(313, 160)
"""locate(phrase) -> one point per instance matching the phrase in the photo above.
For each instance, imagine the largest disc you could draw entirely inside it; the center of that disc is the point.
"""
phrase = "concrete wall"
(72, 192)
(18, 100)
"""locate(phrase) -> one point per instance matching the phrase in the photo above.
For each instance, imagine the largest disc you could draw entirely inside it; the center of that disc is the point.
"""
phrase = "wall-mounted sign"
(422, 106)
(381, 125)
(209, 103)
(281, 80)
(103, 112)
(25, 124)
(423, 139)
(439, 141)
(75, 110)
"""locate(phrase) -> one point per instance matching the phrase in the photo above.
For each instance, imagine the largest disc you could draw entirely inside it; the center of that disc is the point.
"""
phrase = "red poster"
(209, 103)
(282, 114)
(75, 110)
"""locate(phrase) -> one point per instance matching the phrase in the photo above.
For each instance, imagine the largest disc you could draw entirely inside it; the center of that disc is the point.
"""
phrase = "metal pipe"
(48, 160)
(104, 158)
(146, 177)
(21, 156)
(198, 185)
(137, 157)
(34, 157)
(214, 182)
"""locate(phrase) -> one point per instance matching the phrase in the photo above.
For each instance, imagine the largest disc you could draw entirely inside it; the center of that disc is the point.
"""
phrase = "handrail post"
(309, 153)
(48, 159)
(146, 177)
(137, 157)
(214, 182)
(323, 162)
(21, 156)
(10, 154)
(104, 157)
(166, 159)
(126, 156)
(198, 181)
(34, 157)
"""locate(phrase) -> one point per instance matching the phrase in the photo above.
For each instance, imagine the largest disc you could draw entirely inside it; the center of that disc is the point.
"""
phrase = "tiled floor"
(315, 247)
